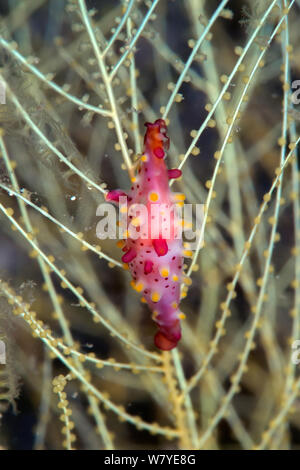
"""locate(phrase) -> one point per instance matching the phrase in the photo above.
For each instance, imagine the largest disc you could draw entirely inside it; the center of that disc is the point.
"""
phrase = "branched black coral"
(9, 384)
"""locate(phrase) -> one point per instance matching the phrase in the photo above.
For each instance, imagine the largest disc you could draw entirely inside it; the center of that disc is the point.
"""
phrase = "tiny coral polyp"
(155, 261)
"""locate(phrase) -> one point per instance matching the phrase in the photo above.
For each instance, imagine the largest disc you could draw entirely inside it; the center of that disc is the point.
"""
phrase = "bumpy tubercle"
(155, 261)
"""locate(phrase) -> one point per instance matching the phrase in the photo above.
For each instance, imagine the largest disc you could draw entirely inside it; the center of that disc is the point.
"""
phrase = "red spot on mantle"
(160, 246)
(129, 256)
(174, 173)
(158, 152)
(148, 266)
(162, 342)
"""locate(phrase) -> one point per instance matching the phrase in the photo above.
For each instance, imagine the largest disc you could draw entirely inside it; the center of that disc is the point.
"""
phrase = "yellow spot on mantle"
(136, 222)
(153, 196)
(187, 253)
(179, 197)
(155, 297)
(139, 287)
(164, 271)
